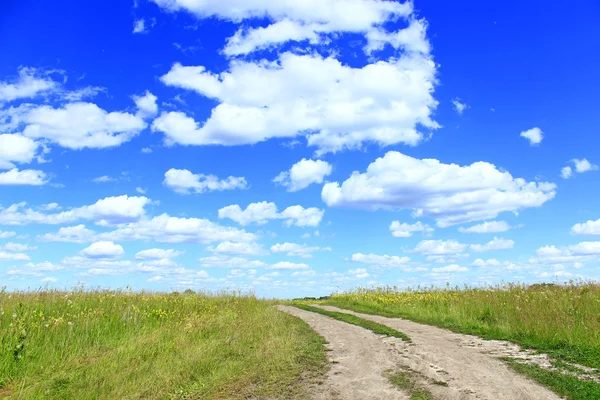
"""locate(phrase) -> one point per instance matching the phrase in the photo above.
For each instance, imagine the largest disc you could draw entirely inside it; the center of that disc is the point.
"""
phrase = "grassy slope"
(111, 345)
(560, 320)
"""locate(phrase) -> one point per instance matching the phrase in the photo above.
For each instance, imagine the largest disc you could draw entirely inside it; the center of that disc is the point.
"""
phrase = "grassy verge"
(561, 320)
(564, 385)
(354, 320)
(122, 345)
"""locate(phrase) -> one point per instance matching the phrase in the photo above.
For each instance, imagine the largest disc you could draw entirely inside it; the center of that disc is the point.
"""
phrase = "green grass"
(565, 385)
(406, 381)
(124, 345)
(561, 320)
(354, 320)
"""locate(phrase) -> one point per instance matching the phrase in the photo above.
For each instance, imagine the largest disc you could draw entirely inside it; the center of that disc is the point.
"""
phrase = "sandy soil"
(468, 365)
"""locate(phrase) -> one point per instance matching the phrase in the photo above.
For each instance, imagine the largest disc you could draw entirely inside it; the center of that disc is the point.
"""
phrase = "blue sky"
(296, 148)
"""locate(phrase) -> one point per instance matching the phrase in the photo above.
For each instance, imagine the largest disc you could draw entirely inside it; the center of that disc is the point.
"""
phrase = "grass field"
(124, 345)
(562, 320)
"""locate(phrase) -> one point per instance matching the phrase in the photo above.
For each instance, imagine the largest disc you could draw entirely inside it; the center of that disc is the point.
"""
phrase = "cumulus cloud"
(586, 228)
(16, 148)
(69, 234)
(7, 234)
(577, 253)
(286, 265)
(157, 254)
(29, 83)
(485, 263)
(260, 213)
(304, 173)
(534, 135)
(168, 229)
(237, 248)
(440, 248)
(184, 182)
(380, 260)
(450, 193)
(16, 177)
(336, 106)
(313, 21)
(230, 262)
(404, 230)
(103, 249)
(10, 256)
(146, 105)
(78, 125)
(108, 211)
(494, 244)
(450, 268)
(580, 166)
(298, 250)
(487, 227)
(359, 273)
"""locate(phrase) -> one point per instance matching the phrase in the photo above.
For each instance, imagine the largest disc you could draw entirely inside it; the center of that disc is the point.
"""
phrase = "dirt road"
(451, 366)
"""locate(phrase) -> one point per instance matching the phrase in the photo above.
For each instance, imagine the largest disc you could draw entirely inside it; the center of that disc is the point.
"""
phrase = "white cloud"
(7, 234)
(104, 179)
(141, 190)
(80, 125)
(146, 150)
(184, 182)
(310, 272)
(458, 106)
(28, 84)
(440, 247)
(260, 213)
(566, 172)
(487, 227)
(139, 26)
(450, 268)
(17, 247)
(450, 193)
(312, 20)
(494, 244)
(359, 273)
(587, 228)
(380, 261)
(534, 135)
(146, 105)
(405, 230)
(237, 248)
(45, 266)
(156, 254)
(107, 211)
(69, 234)
(584, 165)
(16, 149)
(9, 256)
(49, 279)
(577, 253)
(304, 173)
(167, 229)
(286, 265)
(580, 166)
(103, 250)
(298, 250)
(336, 106)
(230, 262)
(23, 177)
(485, 263)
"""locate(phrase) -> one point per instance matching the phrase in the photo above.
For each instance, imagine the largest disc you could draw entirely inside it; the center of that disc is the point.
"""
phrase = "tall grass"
(126, 345)
(563, 320)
